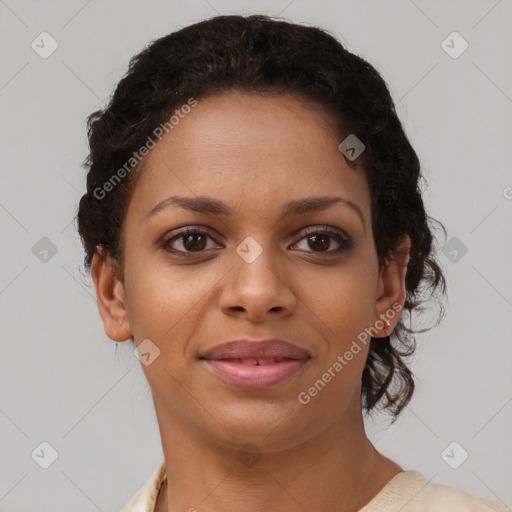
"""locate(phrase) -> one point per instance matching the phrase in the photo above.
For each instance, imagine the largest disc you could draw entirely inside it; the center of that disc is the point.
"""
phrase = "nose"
(257, 288)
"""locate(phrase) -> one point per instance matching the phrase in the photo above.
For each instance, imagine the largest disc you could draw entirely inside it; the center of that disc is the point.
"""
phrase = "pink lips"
(256, 364)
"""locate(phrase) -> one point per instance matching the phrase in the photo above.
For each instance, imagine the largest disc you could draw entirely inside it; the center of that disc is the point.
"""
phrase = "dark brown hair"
(268, 55)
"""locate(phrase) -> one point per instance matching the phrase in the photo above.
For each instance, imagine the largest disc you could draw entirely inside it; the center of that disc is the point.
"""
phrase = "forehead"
(240, 120)
(257, 146)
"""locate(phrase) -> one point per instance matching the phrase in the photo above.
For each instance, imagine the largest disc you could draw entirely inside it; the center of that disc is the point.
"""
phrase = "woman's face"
(256, 272)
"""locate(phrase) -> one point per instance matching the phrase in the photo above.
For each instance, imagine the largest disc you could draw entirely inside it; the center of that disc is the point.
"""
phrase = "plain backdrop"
(62, 382)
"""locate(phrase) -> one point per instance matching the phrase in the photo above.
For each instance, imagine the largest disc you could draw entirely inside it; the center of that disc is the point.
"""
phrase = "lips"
(247, 349)
(260, 361)
(255, 364)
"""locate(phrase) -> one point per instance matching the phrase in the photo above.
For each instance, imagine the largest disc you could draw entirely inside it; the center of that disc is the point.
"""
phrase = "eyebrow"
(205, 204)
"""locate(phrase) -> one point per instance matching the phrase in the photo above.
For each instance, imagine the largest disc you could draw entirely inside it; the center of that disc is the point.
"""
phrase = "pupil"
(315, 238)
(195, 243)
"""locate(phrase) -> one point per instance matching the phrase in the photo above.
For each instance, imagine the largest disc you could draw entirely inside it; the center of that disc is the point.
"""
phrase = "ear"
(391, 289)
(110, 297)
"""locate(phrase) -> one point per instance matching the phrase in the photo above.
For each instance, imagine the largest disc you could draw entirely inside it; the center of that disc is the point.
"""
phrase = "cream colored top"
(407, 491)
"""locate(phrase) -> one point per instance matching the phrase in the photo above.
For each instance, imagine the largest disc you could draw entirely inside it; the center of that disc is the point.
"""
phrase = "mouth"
(255, 364)
(255, 373)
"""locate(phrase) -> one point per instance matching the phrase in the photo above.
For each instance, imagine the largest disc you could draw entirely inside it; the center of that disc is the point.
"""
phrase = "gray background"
(60, 378)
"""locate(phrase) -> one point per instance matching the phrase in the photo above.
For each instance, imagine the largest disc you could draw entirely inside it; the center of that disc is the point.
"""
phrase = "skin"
(254, 153)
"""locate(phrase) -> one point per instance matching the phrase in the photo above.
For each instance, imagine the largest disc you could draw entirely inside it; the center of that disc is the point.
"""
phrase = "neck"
(336, 469)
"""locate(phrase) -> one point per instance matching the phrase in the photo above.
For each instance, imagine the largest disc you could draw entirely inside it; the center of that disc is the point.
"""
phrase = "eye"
(188, 241)
(319, 240)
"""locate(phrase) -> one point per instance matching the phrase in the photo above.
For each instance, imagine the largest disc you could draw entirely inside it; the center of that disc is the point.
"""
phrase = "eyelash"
(344, 241)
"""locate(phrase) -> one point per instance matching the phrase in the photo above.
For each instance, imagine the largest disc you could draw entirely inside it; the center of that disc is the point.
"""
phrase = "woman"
(253, 223)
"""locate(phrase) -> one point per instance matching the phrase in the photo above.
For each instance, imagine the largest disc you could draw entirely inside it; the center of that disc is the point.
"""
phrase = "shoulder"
(410, 491)
(144, 499)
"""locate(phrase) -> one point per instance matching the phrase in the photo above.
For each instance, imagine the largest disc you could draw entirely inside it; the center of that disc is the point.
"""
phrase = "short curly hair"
(262, 54)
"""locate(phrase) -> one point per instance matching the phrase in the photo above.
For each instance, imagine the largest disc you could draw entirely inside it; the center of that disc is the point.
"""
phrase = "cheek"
(344, 313)
(346, 301)
(164, 303)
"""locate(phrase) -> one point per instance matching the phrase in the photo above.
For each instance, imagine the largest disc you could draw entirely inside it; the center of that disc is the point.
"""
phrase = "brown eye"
(319, 240)
(186, 242)
(194, 242)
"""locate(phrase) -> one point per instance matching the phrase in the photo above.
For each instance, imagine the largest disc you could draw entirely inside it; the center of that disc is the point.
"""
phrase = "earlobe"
(110, 297)
(391, 291)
